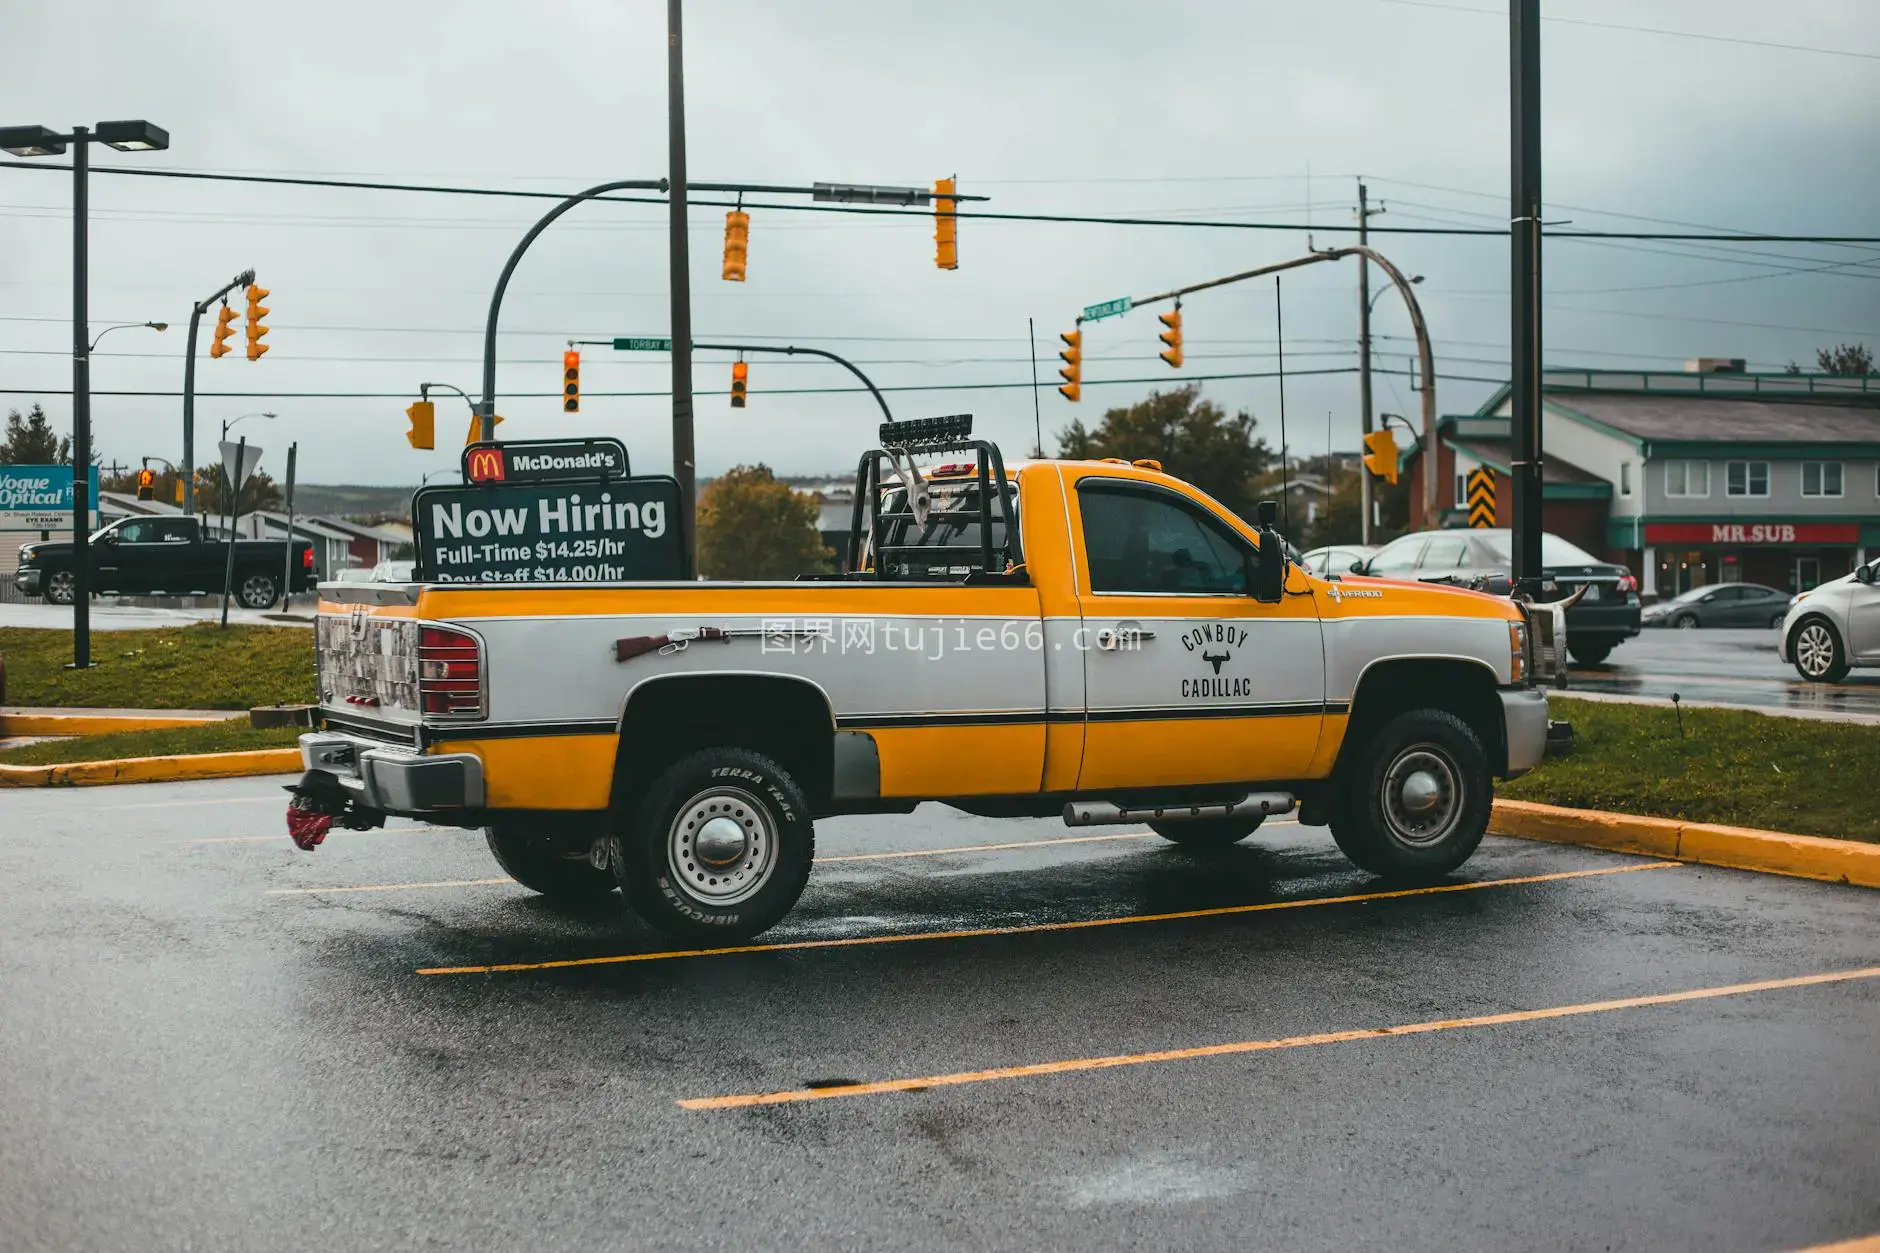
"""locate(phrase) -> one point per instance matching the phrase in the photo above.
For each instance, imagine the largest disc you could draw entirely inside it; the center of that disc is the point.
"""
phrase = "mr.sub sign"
(1752, 533)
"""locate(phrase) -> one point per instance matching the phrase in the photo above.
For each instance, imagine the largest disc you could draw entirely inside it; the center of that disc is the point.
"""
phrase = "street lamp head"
(1415, 279)
(31, 141)
(133, 136)
(158, 326)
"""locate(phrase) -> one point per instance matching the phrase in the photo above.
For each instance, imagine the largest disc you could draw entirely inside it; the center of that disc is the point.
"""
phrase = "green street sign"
(1092, 313)
(642, 345)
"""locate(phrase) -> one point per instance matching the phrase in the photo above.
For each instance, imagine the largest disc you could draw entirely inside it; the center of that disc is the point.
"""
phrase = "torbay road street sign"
(642, 345)
(1108, 309)
(546, 460)
(554, 532)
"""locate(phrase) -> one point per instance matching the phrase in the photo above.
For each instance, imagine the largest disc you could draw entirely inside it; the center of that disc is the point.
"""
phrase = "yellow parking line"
(281, 837)
(1861, 1244)
(1260, 1046)
(1037, 927)
(391, 887)
(212, 800)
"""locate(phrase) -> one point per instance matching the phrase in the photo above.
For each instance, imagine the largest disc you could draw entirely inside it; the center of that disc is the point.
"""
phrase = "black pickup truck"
(138, 556)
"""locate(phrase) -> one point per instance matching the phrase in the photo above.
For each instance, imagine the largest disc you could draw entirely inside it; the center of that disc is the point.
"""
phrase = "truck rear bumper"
(1524, 716)
(395, 780)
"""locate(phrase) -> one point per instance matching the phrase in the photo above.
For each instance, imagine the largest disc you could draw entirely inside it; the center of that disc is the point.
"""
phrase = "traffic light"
(1172, 336)
(224, 328)
(946, 227)
(146, 484)
(571, 381)
(1380, 455)
(737, 244)
(423, 432)
(179, 490)
(256, 311)
(740, 378)
(1072, 371)
(475, 433)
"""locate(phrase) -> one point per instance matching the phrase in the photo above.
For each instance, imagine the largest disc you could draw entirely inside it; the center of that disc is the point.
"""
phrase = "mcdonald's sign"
(484, 465)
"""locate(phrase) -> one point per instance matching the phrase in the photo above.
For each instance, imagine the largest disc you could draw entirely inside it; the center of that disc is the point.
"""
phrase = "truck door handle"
(1123, 635)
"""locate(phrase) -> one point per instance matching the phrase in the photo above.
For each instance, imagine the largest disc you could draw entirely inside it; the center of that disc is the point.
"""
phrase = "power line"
(1646, 30)
(984, 215)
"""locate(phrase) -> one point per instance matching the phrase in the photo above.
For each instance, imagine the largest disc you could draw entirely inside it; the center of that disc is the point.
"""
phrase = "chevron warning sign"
(1481, 497)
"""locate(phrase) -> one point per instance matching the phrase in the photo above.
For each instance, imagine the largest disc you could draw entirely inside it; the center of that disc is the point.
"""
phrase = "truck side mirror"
(1269, 573)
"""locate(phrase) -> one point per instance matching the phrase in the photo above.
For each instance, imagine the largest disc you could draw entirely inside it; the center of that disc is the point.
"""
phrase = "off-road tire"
(1208, 832)
(1374, 824)
(1589, 654)
(541, 863)
(764, 843)
(1830, 664)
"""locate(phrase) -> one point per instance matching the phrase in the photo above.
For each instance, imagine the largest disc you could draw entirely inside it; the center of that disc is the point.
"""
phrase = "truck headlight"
(1517, 651)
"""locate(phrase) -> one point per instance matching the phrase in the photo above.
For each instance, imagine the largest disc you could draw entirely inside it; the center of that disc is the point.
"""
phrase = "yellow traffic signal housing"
(737, 244)
(1172, 336)
(740, 379)
(1380, 455)
(423, 432)
(571, 381)
(946, 227)
(1072, 371)
(179, 489)
(475, 432)
(146, 484)
(256, 311)
(224, 328)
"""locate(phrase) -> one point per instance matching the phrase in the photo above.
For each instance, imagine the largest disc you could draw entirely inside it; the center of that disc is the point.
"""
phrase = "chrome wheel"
(59, 587)
(1422, 795)
(257, 591)
(721, 847)
(1814, 650)
(1686, 624)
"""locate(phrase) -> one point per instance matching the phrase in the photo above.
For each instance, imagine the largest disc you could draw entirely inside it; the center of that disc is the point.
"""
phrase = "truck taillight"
(450, 673)
(1627, 583)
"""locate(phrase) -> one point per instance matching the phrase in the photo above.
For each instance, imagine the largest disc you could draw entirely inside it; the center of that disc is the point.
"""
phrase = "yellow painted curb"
(154, 769)
(94, 724)
(1709, 844)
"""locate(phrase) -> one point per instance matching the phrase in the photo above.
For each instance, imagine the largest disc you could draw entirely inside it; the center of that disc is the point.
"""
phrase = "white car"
(1337, 558)
(1835, 627)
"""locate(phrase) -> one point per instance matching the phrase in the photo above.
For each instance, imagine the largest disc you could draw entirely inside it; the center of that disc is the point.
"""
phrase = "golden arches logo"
(487, 464)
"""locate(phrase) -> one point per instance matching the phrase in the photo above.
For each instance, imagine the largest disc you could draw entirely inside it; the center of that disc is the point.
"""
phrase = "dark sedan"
(1605, 617)
(1722, 605)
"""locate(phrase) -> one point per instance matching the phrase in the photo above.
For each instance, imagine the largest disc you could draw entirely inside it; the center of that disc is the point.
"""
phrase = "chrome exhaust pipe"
(1106, 813)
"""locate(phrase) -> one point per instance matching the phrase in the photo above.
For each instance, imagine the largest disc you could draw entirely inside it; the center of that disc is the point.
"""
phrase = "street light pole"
(684, 456)
(40, 141)
(1524, 21)
(1364, 356)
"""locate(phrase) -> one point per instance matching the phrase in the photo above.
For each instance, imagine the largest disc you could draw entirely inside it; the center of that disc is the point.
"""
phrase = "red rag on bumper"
(307, 827)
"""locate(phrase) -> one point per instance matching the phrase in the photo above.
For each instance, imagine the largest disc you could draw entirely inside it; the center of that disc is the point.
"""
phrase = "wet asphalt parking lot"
(1725, 667)
(971, 1034)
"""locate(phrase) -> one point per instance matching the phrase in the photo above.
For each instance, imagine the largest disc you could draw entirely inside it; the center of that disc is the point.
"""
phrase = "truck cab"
(1093, 640)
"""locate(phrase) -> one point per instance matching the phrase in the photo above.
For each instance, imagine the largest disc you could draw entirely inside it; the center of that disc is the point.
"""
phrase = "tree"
(1194, 439)
(1848, 360)
(259, 492)
(751, 525)
(1341, 516)
(31, 441)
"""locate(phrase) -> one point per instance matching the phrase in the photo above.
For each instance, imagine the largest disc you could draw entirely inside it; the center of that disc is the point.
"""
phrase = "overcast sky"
(1242, 110)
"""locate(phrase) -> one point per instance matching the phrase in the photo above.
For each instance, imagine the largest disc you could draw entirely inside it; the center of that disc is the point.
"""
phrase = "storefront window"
(1807, 574)
(1746, 478)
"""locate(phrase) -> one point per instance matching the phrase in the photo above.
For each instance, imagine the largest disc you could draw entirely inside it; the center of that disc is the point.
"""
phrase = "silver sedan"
(1835, 627)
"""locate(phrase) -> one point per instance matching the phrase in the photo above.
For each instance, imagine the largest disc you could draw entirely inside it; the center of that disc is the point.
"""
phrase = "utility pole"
(684, 458)
(81, 407)
(1365, 213)
(1524, 21)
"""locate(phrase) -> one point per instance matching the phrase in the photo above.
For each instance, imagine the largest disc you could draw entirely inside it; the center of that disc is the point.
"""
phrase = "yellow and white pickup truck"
(1091, 639)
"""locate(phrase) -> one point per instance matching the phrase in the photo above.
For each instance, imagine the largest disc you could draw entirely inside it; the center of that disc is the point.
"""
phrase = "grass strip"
(234, 735)
(1746, 769)
(190, 667)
